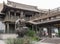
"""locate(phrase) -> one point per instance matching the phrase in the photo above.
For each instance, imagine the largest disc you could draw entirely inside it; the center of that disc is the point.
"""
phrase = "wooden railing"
(11, 19)
(50, 13)
(47, 21)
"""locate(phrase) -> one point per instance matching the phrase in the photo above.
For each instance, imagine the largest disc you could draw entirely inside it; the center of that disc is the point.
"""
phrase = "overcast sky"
(43, 4)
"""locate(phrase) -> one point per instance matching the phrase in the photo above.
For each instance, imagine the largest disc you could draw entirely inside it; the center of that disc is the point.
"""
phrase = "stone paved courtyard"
(44, 41)
(49, 41)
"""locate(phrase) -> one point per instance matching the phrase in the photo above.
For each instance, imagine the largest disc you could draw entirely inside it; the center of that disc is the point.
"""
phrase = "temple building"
(12, 11)
(36, 19)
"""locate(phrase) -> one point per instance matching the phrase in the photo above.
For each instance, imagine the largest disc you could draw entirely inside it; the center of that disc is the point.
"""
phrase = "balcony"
(11, 19)
(48, 21)
(50, 13)
(27, 18)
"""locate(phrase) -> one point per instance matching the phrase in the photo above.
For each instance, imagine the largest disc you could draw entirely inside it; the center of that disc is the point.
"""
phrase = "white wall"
(2, 26)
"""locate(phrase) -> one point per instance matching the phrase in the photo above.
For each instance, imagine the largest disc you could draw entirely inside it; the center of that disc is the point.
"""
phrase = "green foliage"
(19, 41)
(34, 38)
(30, 33)
(27, 39)
(24, 40)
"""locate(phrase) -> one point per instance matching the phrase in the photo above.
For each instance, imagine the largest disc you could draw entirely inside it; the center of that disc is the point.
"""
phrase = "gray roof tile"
(22, 6)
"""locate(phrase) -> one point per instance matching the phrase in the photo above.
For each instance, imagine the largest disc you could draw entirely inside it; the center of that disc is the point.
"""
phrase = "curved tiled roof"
(22, 6)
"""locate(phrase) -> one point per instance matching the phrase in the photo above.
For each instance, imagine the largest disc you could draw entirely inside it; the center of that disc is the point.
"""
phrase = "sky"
(41, 4)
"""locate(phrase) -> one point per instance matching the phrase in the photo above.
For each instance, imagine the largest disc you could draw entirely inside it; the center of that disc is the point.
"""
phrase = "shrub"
(30, 33)
(19, 41)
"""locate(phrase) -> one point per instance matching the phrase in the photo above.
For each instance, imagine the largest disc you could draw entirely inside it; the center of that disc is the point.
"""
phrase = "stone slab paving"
(44, 41)
(49, 41)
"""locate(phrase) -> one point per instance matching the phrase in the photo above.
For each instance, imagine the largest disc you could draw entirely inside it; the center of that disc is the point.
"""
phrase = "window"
(18, 15)
(11, 14)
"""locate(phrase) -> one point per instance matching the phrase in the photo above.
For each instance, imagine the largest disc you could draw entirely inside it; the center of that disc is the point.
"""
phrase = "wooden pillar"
(49, 32)
(15, 19)
(36, 28)
(21, 16)
(32, 27)
(9, 14)
(4, 27)
(15, 27)
(7, 27)
(59, 31)
(41, 31)
(32, 16)
(15, 16)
